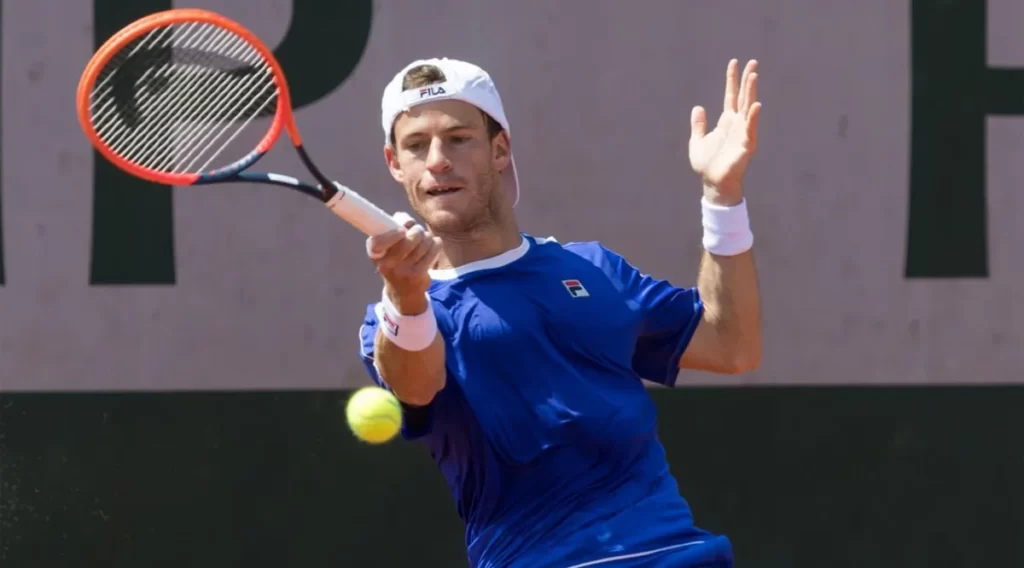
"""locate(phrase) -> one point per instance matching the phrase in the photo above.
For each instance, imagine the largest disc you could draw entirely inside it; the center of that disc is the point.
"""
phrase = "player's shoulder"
(586, 249)
(593, 251)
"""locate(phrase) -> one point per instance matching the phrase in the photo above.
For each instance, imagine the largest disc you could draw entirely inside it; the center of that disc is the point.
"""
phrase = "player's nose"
(437, 159)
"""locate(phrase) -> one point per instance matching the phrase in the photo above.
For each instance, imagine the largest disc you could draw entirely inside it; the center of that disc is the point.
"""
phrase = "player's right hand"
(403, 258)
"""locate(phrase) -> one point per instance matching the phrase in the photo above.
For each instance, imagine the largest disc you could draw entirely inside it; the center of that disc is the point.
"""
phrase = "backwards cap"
(463, 82)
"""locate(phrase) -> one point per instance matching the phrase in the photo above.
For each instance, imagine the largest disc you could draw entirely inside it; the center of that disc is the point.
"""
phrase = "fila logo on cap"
(432, 91)
(575, 288)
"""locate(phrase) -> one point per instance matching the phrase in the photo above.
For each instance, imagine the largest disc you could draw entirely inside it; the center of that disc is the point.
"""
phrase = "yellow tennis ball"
(374, 415)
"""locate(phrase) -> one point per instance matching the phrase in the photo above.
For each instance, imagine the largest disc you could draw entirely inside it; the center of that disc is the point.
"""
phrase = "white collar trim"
(498, 261)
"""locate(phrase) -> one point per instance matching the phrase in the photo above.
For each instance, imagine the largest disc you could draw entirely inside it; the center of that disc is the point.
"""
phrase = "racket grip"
(360, 213)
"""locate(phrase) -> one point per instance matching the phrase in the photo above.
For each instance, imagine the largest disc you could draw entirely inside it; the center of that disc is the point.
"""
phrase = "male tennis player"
(518, 359)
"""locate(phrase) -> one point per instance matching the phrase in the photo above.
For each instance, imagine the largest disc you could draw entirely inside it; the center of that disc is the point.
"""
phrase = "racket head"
(149, 97)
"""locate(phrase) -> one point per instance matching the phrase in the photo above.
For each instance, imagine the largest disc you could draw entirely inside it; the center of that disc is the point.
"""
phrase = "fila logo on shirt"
(575, 288)
(432, 91)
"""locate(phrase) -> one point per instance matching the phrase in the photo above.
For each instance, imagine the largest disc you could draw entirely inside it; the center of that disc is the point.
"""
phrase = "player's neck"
(458, 250)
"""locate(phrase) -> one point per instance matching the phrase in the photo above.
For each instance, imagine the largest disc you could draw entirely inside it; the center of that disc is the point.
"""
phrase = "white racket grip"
(360, 213)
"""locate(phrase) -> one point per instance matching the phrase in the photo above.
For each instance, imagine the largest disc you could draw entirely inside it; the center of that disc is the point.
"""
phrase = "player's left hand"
(720, 157)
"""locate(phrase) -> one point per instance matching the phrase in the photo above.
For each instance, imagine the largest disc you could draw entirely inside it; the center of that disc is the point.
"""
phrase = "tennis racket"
(182, 97)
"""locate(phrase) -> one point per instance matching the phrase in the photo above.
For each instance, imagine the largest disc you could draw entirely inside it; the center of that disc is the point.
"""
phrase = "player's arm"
(415, 376)
(409, 351)
(728, 337)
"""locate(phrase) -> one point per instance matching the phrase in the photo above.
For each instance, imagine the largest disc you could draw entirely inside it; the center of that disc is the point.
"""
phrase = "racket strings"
(211, 127)
(208, 95)
(157, 107)
(202, 122)
(174, 99)
(207, 123)
(120, 57)
(105, 114)
(261, 100)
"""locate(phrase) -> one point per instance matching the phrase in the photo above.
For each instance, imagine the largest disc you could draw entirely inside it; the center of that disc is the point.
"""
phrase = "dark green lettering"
(323, 45)
(133, 232)
(953, 90)
(132, 228)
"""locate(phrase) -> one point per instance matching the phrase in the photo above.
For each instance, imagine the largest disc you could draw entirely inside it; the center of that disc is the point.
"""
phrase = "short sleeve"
(416, 420)
(669, 315)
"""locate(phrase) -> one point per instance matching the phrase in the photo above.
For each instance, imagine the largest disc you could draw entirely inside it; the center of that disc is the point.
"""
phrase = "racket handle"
(360, 213)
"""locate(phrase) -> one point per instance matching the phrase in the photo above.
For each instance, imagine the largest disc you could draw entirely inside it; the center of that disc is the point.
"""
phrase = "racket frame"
(236, 171)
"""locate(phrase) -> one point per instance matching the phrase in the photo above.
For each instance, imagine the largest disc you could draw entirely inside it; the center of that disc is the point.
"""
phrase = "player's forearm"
(732, 308)
(414, 376)
(414, 372)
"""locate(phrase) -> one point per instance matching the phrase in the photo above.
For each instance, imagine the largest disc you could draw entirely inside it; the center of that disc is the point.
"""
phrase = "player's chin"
(447, 208)
(448, 219)
(443, 220)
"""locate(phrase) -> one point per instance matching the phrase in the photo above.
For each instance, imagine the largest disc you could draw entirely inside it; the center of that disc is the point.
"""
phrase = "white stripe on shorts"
(636, 554)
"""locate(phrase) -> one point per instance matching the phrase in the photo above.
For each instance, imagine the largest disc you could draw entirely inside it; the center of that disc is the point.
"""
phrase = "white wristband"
(411, 333)
(726, 229)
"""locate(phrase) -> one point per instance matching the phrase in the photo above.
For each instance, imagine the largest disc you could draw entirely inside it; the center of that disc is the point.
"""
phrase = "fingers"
(404, 256)
(377, 246)
(404, 253)
(751, 107)
(748, 87)
(417, 244)
(740, 92)
(752, 115)
(404, 219)
(731, 85)
(698, 123)
(751, 99)
(426, 254)
(402, 247)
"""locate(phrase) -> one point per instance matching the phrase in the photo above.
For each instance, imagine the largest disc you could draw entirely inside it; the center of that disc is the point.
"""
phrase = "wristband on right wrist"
(411, 333)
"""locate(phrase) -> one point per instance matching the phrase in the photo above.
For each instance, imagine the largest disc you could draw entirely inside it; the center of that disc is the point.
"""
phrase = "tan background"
(599, 98)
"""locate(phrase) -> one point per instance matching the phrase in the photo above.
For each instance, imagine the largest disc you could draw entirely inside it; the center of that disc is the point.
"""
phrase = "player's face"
(449, 166)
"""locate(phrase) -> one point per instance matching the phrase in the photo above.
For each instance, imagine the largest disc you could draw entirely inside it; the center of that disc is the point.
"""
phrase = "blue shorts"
(711, 551)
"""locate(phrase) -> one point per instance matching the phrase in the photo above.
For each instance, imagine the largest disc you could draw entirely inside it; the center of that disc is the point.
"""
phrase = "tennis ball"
(374, 415)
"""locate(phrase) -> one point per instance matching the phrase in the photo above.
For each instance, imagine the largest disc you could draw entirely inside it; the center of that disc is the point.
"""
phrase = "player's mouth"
(443, 190)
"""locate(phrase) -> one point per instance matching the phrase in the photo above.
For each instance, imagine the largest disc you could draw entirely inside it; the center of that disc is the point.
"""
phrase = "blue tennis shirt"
(544, 432)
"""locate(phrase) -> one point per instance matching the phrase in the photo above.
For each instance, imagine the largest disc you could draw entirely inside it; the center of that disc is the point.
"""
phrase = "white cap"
(464, 82)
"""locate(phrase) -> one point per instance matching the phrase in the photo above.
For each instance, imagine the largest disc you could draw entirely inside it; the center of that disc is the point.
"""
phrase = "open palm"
(720, 157)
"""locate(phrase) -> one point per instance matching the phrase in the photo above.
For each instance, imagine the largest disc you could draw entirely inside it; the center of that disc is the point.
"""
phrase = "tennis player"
(519, 359)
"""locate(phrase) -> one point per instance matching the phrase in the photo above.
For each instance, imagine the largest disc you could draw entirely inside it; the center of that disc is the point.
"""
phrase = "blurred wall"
(885, 195)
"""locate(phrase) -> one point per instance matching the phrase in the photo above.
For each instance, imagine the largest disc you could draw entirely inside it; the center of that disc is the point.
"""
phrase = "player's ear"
(393, 165)
(501, 150)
